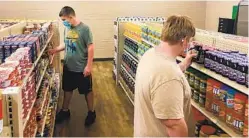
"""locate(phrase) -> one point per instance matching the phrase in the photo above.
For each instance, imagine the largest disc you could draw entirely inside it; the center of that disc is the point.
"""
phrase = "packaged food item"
(192, 79)
(238, 122)
(230, 105)
(245, 129)
(222, 102)
(197, 82)
(233, 68)
(241, 73)
(196, 96)
(207, 130)
(239, 103)
(207, 59)
(203, 84)
(209, 95)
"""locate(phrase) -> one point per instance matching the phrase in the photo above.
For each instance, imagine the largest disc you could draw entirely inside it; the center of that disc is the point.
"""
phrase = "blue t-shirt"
(76, 41)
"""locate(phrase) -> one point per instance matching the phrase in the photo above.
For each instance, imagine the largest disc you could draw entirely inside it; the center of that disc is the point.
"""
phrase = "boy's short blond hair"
(176, 28)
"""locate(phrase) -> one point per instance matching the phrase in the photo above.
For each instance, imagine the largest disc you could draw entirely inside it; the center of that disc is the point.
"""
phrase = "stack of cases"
(35, 41)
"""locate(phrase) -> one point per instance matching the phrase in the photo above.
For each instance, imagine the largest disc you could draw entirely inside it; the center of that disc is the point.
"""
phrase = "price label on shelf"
(11, 90)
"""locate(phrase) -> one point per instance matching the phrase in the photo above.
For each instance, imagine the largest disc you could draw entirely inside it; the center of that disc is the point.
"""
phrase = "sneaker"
(90, 119)
(62, 115)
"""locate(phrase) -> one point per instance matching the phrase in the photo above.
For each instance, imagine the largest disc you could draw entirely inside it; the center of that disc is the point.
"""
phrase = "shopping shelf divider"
(218, 77)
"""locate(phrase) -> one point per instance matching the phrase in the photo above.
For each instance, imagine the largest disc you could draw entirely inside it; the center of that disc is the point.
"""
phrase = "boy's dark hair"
(67, 11)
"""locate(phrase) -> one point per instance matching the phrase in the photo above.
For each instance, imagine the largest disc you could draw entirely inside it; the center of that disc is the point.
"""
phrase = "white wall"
(100, 15)
(216, 9)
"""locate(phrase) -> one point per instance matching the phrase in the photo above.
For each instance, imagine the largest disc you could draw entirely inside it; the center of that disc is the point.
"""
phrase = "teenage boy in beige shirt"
(162, 93)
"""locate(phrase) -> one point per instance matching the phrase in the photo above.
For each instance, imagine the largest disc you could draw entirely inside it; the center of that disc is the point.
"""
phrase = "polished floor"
(113, 109)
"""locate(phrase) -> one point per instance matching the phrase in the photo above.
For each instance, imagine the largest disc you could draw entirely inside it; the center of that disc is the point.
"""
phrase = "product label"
(215, 108)
(238, 124)
(230, 103)
(222, 97)
(229, 119)
(216, 92)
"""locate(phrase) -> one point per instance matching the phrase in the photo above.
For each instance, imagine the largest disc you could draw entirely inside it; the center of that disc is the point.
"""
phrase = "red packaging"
(238, 122)
(239, 103)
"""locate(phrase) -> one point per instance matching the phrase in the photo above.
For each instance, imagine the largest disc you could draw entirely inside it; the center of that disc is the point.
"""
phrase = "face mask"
(67, 24)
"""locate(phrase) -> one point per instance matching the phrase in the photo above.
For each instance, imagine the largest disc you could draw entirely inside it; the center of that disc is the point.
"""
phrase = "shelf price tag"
(11, 90)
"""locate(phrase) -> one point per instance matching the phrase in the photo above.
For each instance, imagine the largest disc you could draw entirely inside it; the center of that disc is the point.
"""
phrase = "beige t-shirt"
(161, 92)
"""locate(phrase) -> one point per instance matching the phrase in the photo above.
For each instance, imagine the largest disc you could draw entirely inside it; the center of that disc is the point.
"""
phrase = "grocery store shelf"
(218, 77)
(131, 39)
(128, 73)
(41, 78)
(133, 54)
(133, 57)
(127, 91)
(149, 43)
(37, 61)
(215, 120)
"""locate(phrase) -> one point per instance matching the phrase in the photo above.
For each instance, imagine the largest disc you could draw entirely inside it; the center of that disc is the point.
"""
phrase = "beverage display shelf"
(127, 73)
(149, 43)
(215, 120)
(41, 78)
(135, 55)
(131, 39)
(127, 91)
(129, 70)
(132, 56)
(218, 77)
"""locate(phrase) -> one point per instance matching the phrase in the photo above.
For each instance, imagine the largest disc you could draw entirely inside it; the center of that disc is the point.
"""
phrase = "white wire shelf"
(132, 56)
(215, 120)
(218, 77)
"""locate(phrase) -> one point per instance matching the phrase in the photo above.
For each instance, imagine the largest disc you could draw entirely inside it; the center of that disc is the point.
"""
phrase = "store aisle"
(113, 109)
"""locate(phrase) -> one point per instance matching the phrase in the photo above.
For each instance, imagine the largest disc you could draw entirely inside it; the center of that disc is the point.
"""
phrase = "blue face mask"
(67, 24)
